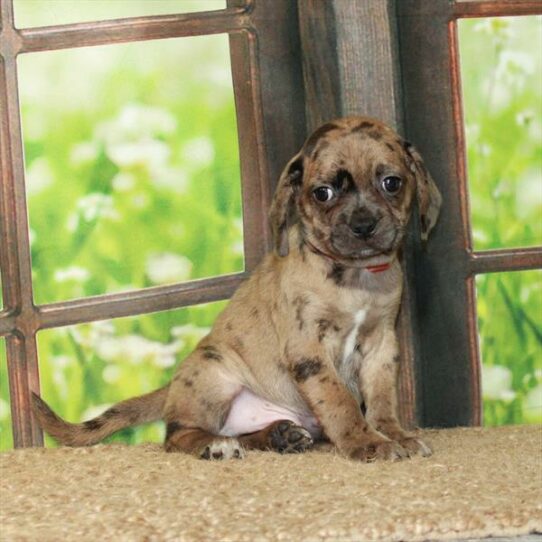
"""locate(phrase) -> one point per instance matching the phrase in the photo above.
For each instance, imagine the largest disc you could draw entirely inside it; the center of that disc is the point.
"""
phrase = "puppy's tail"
(134, 411)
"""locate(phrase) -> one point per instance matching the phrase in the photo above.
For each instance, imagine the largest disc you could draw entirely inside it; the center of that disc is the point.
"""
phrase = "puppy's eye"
(392, 185)
(323, 193)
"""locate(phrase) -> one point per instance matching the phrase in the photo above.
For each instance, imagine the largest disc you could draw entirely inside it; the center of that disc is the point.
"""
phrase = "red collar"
(371, 268)
(378, 268)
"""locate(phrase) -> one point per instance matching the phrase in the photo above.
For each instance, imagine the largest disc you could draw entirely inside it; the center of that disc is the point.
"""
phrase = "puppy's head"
(351, 188)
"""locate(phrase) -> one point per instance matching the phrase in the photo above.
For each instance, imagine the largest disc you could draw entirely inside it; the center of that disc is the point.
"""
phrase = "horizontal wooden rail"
(449, 10)
(498, 261)
(496, 8)
(120, 304)
(124, 30)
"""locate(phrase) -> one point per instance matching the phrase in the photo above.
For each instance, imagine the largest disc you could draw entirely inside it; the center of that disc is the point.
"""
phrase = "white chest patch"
(350, 342)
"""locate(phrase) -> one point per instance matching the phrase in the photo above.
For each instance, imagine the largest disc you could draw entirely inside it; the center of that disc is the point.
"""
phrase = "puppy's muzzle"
(363, 225)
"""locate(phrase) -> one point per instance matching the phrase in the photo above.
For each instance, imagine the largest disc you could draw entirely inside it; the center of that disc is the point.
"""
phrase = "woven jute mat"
(479, 482)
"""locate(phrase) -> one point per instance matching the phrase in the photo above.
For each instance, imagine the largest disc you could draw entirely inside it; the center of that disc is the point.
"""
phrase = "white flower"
(532, 405)
(96, 205)
(472, 131)
(238, 247)
(479, 236)
(137, 119)
(31, 236)
(167, 268)
(512, 62)
(123, 182)
(60, 381)
(190, 331)
(199, 152)
(219, 79)
(504, 188)
(174, 179)
(145, 152)
(101, 328)
(84, 152)
(529, 195)
(133, 137)
(60, 362)
(89, 335)
(72, 273)
(38, 176)
(136, 350)
(92, 207)
(111, 373)
(484, 149)
(496, 383)
(4, 410)
(93, 411)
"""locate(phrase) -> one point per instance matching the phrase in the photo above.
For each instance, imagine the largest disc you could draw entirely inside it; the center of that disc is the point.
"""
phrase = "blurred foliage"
(501, 64)
(31, 13)
(132, 172)
(132, 166)
(6, 438)
(509, 316)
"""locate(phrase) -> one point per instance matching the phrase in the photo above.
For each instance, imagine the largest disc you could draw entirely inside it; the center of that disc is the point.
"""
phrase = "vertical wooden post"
(351, 67)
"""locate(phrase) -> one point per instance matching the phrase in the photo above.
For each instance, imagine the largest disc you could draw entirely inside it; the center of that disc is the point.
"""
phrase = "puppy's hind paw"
(222, 448)
(286, 437)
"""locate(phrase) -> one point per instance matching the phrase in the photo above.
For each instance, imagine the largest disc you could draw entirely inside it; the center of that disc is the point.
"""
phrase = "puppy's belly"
(250, 413)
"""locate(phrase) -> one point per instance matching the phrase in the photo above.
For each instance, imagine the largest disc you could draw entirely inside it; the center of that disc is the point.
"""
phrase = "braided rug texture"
(479, 482)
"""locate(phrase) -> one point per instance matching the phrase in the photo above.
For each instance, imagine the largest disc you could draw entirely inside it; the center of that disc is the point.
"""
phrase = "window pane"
(501, 66)
(132, 166)
(509, 323)
(29, 13)
(6, 437)
(86, 368)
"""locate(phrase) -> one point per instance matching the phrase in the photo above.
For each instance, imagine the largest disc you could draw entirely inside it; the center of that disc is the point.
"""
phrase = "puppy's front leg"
(378, 387)
(338, 411)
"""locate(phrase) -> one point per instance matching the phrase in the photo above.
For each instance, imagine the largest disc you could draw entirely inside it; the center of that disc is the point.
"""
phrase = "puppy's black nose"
(363, 226)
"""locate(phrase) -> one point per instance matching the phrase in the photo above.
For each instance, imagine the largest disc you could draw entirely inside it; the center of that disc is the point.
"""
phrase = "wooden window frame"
(442, 279)
(294, 65)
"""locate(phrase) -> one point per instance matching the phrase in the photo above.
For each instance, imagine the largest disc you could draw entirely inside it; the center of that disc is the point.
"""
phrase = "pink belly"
(250, 413)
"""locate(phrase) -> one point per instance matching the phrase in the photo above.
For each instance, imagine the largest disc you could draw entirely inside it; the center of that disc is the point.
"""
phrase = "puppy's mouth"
(345, 247)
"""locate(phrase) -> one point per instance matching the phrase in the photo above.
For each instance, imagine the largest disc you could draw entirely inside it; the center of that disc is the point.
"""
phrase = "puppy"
(306, 349)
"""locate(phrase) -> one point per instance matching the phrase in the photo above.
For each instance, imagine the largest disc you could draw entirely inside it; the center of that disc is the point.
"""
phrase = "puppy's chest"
(345, 333)
(348, 354)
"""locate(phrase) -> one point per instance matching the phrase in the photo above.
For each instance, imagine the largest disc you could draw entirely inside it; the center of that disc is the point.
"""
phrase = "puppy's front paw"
(222, 448)
(286, 437)
(372, 451)
(416, 446)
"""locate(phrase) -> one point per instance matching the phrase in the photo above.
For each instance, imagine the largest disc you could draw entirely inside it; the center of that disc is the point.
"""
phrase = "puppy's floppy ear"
(429, 198)
(282, 213)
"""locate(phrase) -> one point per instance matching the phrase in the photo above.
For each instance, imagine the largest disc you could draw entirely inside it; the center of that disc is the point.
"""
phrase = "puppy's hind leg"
(198, 403)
